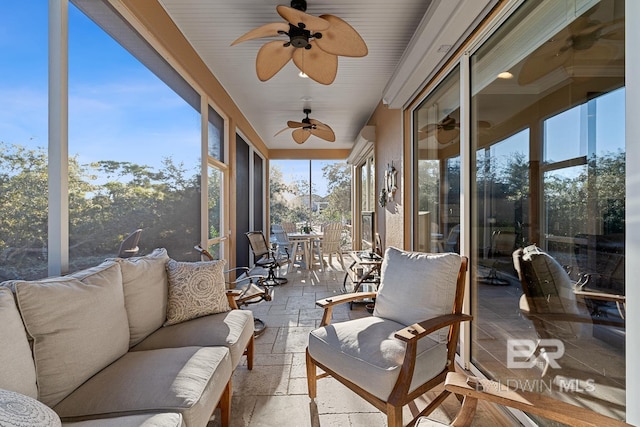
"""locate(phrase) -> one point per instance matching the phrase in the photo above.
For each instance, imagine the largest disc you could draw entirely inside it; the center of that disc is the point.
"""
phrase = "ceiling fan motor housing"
(299, 4)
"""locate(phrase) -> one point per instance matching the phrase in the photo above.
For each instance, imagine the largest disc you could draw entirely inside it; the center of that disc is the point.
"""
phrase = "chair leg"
(311, 376)
(225, 405)
(394, 416)
(249, 352)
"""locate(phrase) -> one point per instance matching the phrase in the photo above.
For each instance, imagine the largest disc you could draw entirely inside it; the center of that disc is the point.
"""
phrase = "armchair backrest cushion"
(145, 284)
(416, 286)
(17, 371)
(549, 286)
(78, 324)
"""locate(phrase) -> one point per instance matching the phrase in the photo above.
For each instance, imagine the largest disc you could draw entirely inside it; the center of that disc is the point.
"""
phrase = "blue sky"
(118, 110)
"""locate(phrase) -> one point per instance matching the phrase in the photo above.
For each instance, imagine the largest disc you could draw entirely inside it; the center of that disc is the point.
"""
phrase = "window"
(134, 149)
(216, 184)
(23, 141)
(548, 104)
(312, 192)
(437, 168)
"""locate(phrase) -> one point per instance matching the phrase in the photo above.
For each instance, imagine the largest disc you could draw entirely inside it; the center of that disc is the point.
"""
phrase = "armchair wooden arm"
(424, 328)
(329, 303)
(474, 389)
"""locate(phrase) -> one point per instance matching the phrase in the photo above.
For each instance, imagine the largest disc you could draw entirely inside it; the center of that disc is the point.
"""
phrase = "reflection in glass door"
(547, 112)
(437, 157)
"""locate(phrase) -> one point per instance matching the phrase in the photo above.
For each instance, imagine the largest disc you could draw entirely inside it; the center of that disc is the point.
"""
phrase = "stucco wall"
(388, 150)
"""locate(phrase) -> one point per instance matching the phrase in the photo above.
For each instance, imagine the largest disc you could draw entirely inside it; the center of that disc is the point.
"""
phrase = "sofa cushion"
(171, 419)
(144, 280)
(17, 371)
(188, 380)
(416, 286)
(78, 324)
(232, 329)
(365, 352)
(195, 289)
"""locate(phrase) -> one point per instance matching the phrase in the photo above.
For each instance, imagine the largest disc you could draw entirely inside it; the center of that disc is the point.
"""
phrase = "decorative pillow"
(196, 289)
(144, 280)
(17, 371)
(78, 324)
(416, 286)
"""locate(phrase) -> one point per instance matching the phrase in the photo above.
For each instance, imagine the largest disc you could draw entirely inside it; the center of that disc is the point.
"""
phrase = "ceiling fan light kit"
(314, 44)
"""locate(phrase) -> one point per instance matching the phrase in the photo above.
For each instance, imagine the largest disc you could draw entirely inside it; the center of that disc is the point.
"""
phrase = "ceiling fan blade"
(293, 124)
(317, 64)
(280, 131)
(268, 30)
(300, 135)
(319, 125)
(323, 131)
(295, 17)
(341, 39)
(430, 128)
(539, 64)
(447, 136)
(271, 58)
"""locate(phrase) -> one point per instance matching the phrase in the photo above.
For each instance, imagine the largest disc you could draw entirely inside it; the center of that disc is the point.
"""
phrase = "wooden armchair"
(474, 389)
(408, 346)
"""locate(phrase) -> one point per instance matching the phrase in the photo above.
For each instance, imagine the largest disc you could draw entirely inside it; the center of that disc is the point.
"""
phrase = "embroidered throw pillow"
(196, 289)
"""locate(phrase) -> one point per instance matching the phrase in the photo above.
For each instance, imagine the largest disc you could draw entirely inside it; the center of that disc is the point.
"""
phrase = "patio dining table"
(305, 242)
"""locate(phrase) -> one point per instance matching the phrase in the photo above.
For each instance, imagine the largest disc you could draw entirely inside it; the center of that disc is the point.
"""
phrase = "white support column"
(632, 238)
(465, 198)
(58, 236)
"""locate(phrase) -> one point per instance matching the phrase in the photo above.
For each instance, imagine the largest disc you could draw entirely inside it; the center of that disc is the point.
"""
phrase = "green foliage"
(107, 200)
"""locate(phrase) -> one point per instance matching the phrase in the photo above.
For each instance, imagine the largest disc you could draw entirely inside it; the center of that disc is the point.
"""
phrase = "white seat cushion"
(144, 280)
(143, 420)
(365, 352)
(17, 371)
(416, 286)
(232, 329)
(78, 324)
(188, 380)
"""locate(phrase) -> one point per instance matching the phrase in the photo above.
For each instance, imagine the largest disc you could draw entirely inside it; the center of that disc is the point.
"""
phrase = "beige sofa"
(95, 347)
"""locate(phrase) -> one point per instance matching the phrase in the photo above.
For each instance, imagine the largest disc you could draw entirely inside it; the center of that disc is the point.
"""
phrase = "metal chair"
(129, 246)
(264, 257)
(245, 288)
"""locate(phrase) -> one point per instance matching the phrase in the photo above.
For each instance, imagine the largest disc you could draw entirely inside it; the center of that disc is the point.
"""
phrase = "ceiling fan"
(446, 130)
(584, 37)
(314, 44)
(307, 127)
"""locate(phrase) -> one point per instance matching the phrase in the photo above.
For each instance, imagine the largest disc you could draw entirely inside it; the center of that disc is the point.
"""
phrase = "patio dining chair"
(331, 243)
(407, 346)
(264, 257)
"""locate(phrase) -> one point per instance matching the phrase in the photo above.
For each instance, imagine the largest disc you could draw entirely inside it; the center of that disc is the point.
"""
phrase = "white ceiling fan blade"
(295, 17)
(300, 135)
(341, 39)
(271, 58)
(268, 30)
(317, 64)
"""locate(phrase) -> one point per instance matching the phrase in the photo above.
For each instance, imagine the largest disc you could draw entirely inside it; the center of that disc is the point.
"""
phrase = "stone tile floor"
(274, 393)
